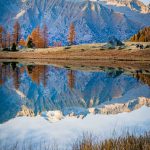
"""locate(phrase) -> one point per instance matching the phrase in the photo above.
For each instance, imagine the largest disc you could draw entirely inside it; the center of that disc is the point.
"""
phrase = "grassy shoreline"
(85, 65)
(128, 142)
(81, 52)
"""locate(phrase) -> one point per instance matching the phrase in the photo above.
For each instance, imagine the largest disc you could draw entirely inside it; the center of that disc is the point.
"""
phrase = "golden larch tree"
(1, 36)
(4, 39)
(45, 36)
(71, 79)
(8, 40)
(34, 36)
(37, 38)
(71, 36)
(16, 78)
(17, 33)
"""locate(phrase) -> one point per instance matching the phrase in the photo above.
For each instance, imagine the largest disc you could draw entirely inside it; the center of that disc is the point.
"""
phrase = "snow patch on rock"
(52, 116)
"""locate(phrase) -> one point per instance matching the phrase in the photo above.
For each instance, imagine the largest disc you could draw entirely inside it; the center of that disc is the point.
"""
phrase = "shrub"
(14, 47)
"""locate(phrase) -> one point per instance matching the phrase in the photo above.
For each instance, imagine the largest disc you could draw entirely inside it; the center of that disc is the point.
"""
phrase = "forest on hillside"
(39, 38)
(142, 36)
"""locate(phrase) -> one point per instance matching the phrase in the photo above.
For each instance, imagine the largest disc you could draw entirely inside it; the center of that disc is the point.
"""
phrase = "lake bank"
(81, 52)
(85, 65)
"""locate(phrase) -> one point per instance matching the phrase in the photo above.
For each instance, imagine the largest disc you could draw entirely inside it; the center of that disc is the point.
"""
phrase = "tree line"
(142, 36)
(39, 38)
(38, 74)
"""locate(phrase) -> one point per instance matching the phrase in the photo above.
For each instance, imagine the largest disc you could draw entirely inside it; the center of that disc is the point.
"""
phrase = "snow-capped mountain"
(134, 5)
(95, 21)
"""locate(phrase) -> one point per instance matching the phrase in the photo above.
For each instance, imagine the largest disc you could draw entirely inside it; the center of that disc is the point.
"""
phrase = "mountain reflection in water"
(43, 87)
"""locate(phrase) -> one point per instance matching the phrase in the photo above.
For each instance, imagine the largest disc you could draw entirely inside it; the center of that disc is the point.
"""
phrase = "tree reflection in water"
(39, 74)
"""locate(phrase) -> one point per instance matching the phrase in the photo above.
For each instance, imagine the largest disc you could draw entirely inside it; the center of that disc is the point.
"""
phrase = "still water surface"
(45, 87)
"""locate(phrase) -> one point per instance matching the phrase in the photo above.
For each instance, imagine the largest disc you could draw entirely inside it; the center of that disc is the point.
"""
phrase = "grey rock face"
(94, 22)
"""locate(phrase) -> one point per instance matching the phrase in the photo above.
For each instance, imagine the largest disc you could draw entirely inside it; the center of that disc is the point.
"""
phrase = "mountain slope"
(94, 22)
(134, 5)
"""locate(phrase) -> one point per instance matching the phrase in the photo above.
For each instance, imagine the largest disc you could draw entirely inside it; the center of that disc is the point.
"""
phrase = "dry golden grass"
(81, 52)
(86, 65)
(129, 142)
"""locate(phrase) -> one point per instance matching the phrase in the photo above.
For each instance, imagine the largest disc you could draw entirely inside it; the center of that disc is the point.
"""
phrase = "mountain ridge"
(94, 21)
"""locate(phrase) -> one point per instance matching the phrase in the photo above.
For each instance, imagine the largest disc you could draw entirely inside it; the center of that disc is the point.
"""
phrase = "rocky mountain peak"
(94, 21)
